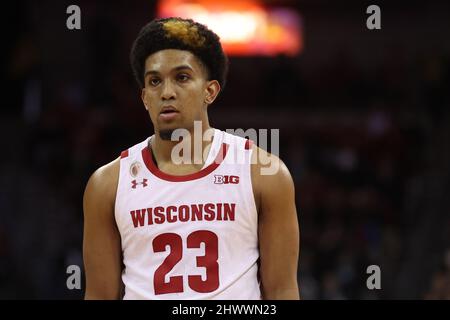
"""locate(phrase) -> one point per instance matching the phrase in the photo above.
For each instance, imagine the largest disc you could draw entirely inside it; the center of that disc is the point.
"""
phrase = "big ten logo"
(219, 179)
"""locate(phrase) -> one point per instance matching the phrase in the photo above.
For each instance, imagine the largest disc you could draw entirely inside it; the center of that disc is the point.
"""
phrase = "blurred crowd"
(367, 148)
(440, 281)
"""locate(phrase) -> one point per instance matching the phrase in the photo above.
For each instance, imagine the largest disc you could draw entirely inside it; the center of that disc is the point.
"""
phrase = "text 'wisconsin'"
(184, 213)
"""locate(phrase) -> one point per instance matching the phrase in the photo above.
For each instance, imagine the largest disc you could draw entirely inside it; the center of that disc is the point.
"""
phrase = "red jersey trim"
(248, 144)
(124, 154)
(148, 160)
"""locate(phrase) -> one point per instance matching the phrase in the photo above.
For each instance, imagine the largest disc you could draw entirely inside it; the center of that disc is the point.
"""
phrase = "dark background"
(363, 116)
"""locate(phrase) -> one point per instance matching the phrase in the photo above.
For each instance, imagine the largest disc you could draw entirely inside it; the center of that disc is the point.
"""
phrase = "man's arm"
(101, 238)
(278, 230)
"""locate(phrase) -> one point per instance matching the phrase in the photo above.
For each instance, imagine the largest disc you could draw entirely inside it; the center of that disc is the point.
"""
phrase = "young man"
(212, 227)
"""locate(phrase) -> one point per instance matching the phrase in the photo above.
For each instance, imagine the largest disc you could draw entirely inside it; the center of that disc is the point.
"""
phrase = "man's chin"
(166, 134)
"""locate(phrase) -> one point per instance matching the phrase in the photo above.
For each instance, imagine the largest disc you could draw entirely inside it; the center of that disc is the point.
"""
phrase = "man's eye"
(183, 77)
(154, 82)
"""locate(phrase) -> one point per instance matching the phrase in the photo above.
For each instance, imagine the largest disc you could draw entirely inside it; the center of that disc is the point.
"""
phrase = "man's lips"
(168, 113)
(168, 109)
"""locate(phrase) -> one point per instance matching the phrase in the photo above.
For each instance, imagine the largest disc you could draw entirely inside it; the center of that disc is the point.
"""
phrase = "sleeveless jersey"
(192, 236)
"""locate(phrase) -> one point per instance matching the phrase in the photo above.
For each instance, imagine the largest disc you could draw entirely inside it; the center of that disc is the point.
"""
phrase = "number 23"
(209, 261)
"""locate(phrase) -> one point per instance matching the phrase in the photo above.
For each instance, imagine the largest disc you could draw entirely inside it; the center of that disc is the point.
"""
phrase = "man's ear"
(143, 98)
(212, 91)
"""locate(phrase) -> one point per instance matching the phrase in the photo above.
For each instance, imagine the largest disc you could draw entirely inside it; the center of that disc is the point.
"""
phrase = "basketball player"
(216, 228)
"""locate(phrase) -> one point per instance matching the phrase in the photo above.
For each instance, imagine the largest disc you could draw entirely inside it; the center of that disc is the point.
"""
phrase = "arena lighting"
(245, 27)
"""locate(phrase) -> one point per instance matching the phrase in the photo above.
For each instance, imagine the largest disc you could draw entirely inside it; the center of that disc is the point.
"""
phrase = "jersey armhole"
(124, 154)
(249, 148)
(248, 144)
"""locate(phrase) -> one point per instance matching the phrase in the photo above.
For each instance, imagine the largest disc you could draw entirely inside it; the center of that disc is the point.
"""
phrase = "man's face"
(176, 91)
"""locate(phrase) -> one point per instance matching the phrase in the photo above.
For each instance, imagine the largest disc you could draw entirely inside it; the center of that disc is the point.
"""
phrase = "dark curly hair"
(182, 34)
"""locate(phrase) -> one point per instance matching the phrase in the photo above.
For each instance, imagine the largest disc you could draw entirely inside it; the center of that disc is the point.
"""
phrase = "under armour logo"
(134, 183)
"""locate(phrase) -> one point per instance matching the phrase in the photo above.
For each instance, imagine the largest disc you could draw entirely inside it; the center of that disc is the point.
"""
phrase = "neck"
(162, 149)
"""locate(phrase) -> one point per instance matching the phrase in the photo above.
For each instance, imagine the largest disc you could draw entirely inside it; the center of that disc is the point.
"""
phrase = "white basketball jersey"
(192, 236)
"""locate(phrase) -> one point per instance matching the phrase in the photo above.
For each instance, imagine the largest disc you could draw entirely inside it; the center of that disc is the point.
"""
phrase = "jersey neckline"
(207, 169)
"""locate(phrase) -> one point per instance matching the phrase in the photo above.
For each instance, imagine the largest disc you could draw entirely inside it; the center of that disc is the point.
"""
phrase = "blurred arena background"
(363, 117)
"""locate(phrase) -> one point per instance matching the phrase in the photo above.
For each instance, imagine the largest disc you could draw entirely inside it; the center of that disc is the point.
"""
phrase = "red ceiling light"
(244, 27)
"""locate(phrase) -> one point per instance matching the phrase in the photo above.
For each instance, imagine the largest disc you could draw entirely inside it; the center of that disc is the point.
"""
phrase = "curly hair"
(182, 34)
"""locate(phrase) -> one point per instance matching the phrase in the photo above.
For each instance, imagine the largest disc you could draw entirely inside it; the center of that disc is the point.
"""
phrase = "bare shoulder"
(101, 237)
(109, 171)
(267, 168)
(101, 187)
(270, 176)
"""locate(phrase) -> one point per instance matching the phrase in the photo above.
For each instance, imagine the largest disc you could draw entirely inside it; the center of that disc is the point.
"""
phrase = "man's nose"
(168, 91)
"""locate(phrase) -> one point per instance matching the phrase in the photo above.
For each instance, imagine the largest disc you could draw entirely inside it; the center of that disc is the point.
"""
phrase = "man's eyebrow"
(154, 72)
